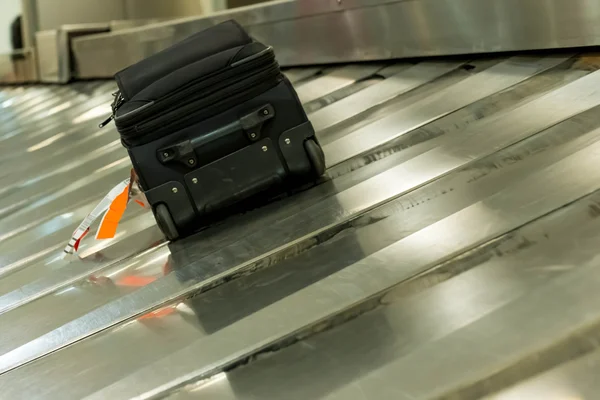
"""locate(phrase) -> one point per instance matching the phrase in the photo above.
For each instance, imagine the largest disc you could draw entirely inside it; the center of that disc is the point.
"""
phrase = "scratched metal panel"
(340, 31)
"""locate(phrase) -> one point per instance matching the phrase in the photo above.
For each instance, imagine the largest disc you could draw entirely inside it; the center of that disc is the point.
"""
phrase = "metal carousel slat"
(575, 379)
(486, 83)
(340, 292)
(296, 75)
(114, 143)
(51, 167)
(220, 307)
(361, 357)
(325, 215)
(436, 167)
(335, 80)
(397, 84)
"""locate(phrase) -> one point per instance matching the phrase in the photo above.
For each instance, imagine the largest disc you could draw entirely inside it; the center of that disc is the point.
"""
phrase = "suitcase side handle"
(183, 152)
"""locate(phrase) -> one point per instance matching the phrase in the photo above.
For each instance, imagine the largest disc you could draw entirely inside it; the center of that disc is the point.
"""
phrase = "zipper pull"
(117, 102)
(106, 121)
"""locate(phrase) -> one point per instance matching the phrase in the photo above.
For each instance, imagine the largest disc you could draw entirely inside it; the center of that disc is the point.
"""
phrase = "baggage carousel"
(451, 251)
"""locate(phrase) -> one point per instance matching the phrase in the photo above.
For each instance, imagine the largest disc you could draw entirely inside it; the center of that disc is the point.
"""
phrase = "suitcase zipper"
(200, 108)
(125, 122)
(117, 102)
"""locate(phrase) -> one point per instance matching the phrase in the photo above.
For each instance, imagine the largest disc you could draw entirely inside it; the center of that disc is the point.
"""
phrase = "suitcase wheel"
(316, 157)
(165, 222)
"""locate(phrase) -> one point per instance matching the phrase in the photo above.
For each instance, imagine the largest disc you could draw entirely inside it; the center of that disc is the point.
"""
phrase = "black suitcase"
(210, 124)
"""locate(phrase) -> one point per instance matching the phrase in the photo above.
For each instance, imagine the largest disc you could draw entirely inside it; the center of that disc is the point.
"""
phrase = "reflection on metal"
(55, 273)
(293, 315)
(336, 79)
(299, 74)
(385, 90)
(319, 219)
(479, 216)
(455, 97)
(577, 379)
(319, 32)
(497, 274)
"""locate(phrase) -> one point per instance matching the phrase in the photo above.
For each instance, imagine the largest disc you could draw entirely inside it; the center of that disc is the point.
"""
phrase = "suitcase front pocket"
(236, 177)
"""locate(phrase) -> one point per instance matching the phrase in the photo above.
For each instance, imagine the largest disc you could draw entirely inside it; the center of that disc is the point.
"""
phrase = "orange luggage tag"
(113, 206)
(112, 216)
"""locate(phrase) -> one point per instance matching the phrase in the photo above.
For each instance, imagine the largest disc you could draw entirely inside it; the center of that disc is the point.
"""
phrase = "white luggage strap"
(101, 208)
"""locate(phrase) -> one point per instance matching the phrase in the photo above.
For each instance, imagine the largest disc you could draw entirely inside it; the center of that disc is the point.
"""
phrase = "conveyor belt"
(456, 227)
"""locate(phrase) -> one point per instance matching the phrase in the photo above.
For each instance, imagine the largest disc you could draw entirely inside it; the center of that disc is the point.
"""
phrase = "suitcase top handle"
(183, 152)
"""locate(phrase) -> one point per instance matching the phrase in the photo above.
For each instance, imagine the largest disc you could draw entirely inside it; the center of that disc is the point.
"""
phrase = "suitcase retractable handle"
(183, 152)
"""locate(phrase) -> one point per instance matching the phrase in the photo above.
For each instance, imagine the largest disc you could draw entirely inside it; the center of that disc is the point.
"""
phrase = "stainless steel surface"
(54, 54)
(331, 31)
(53, 180)
(381, 92)
(469, 199)
(576, 379)
(336, 79)
(361, 358)
(15, 223)
(341, 291)
(53, 29)
(145, 9)
(296, 75)
(492, 80)
(53, 14)
(316, 220)
(132, 23)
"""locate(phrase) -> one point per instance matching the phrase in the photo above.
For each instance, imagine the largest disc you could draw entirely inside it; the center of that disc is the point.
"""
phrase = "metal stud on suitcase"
(211, 123)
